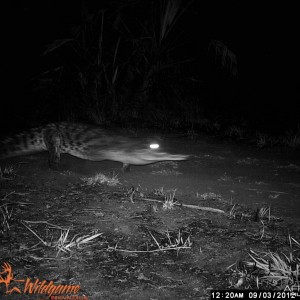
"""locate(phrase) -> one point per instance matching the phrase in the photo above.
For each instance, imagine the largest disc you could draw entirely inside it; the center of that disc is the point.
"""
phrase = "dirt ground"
(125, 241)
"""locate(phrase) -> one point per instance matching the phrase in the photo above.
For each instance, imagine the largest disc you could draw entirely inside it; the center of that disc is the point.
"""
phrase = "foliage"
(119, 67)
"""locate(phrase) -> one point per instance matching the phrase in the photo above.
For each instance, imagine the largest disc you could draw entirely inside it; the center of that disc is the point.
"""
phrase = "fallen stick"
(190, 206)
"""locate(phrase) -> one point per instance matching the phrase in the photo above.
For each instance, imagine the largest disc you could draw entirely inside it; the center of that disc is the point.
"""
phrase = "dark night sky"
(263, 37)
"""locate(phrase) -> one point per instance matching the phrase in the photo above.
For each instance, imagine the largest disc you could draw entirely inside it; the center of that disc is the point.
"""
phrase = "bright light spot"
(154, 146)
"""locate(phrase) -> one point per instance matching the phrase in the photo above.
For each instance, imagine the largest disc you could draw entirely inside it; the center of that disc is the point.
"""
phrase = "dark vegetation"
(180, 65)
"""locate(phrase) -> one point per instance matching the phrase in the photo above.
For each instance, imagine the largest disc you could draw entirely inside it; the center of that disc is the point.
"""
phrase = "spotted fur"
(83, 141)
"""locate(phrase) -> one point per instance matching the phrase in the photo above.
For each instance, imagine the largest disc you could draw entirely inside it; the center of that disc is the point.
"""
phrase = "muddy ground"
(141, 247)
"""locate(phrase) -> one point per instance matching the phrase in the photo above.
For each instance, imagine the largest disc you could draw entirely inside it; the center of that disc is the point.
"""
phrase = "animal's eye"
(154, 146)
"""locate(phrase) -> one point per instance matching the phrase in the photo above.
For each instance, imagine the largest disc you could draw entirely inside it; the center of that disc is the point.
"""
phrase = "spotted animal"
(86, 142)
